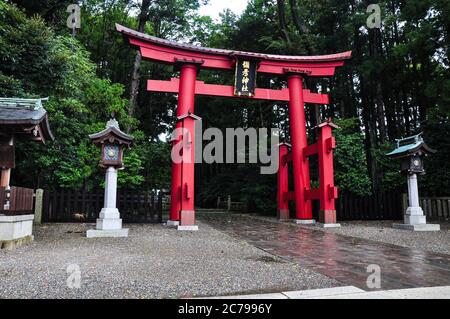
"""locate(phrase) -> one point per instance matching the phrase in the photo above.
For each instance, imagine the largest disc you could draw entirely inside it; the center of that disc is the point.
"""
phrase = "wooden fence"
(3, 197)
(16, 200)
(146, 207)
(166, 200)
(80, 206)
(385, 206)
(433, 207)
(230, 205)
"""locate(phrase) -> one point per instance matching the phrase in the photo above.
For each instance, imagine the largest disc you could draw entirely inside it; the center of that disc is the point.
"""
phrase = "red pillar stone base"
(283, 214)
(305, 221)
(328, 218)
(187, 220)
(173, 223)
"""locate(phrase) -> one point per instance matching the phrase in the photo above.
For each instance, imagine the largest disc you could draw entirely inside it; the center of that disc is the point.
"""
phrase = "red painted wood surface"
(201, 88)
(310, 194)
(283, 179)
(179, 171)
(326, 172)
(303, 209)
(169, 55)
(188, 165)
(160, 50)
(310, 150)
(287, 158)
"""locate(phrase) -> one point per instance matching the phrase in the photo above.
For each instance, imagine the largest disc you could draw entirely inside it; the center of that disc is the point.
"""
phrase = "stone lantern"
(112, 142)
(411, 151)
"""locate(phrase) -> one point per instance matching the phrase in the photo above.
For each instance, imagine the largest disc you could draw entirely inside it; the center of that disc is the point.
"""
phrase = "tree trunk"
(282, 20)
(135, 77)
(369, 132)
(381, 113)
(301, 27)
(376, 54)
(352, 109)
(406, 113)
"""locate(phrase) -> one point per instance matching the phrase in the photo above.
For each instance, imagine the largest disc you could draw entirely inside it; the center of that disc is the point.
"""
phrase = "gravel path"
(382, 231)
(154, 262)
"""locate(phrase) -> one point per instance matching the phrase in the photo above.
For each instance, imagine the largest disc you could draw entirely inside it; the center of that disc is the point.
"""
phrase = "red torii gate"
(190, 59)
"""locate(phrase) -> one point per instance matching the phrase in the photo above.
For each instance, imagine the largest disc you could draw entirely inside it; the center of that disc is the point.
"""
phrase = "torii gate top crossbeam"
(166, 51)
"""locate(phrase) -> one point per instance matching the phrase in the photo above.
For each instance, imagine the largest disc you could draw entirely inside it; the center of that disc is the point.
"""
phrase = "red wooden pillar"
(5, 177)
(303, 209)
(7, 161)
(283, 182)
(326, 143)
(186, 99)
(187, 214)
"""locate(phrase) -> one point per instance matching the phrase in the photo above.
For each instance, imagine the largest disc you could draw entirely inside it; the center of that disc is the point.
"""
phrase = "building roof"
(409, 146)
(25, 116)
(189, 47)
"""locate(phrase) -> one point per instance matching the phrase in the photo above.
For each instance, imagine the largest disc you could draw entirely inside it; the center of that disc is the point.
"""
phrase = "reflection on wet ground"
(343, 258)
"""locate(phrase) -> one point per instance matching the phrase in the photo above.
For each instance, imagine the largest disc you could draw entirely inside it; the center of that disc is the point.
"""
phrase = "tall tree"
(135, 77)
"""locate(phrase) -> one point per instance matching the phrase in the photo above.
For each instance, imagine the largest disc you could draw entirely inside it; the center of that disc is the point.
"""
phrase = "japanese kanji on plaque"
(245, 79)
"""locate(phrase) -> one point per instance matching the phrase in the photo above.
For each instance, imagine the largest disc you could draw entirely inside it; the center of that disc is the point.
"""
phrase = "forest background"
(396, 84)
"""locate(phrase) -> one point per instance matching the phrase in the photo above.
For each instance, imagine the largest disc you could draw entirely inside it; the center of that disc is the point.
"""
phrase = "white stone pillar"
(109, 224)
(38, 205)
(110, 209)
(414, 218)
(413, 191)
(414, 214)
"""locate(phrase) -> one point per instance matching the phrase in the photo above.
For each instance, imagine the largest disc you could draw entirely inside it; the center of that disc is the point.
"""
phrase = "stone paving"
(350, 292)
(340, 257)
(155, 261)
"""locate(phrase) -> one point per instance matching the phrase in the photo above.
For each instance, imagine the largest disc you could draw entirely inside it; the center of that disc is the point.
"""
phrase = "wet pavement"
(340, 257)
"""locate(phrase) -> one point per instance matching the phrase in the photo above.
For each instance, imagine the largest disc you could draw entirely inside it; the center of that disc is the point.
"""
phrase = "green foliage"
(436, 135)
(157, 164)
(131, 177)
(350, 158)
(23, 40)
(391, 178)
(396, 84)
(40, 63)
(52, 11)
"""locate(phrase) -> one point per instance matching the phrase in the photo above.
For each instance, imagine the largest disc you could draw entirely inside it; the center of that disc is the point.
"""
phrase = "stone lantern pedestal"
(109, 223)
(410, 151)
(414, 218)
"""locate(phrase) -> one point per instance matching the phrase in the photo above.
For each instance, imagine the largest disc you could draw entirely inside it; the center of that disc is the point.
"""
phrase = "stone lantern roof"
(111, 133)
(409, 146)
